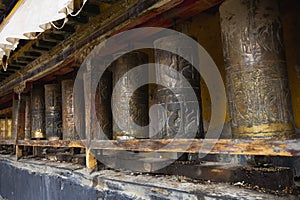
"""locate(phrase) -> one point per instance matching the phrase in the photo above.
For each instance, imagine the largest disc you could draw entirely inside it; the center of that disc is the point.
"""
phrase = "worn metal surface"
(177, 117)
(257, 82)
(2, 128)
(103, 104)
(18, 117)
(129, 107)
(27, 128)
(69, 130)
(53, 118)
(37, 112)
(8, 127)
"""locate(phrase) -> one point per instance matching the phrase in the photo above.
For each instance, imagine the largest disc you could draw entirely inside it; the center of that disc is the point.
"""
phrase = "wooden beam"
(222, 146)
(6, 111)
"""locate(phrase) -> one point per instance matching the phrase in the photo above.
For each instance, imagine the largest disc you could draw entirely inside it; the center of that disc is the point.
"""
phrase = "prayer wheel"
(53, 120)
(179, 121)
(69, 130)
(256, 71)
(18, 117)
(103, 105)
(37, 112)
(126, 106)
(27, 128)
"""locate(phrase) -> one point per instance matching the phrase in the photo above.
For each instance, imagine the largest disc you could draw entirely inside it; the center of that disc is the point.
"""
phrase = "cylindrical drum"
(69, 130)
(53, 118)
(256, 71)
(18, 117)
(173, 94)
(103, 104)
(128, 105)
(27, 119)
(2, 128)
(37, 112)
(8, 127)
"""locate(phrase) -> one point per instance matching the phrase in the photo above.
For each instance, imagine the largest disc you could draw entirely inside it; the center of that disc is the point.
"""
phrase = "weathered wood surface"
(222, 146)
(6, 111)
(58, 143)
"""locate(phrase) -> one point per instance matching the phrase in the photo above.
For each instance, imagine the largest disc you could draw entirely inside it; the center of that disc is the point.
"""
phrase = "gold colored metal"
(256, 72)
(2, 128)
(8, 127)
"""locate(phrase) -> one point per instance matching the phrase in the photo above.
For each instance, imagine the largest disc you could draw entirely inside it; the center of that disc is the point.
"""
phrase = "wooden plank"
(91, 162)
(7, 142)
(6, 111)
(58, 143)
(222, 146)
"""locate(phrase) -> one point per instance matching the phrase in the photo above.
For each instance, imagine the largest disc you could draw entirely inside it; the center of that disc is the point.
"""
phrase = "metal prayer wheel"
(2, 128)
(129, 107)
(178, 119)
(18, 117)
(103, 104)
(256, 71)
(8, 127)
(53, 120)
(69, 130)
(27, 126)
(37, 112)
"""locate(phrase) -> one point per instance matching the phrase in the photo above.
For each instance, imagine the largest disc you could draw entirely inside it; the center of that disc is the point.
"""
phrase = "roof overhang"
(27, 19)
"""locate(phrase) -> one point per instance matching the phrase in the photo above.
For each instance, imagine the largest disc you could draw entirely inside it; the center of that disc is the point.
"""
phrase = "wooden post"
(91, 162)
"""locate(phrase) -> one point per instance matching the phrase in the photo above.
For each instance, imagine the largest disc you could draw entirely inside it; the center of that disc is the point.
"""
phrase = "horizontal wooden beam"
(222, 146)
(46, 143)
(5, 111)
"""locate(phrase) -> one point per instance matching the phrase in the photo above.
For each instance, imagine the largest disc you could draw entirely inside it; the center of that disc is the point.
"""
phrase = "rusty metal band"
(177, 117)
(137, 108)
(37, 112)
(27, 128)
(53, 119)
(256, 71)
(69, 130)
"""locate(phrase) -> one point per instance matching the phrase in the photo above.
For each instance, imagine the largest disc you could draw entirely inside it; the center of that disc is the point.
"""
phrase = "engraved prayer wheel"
(103, 104)
(18, 117)
(256, 71)
(129, 107)
(2, 128)
(37, 112)
(178, 119)
(8, 127)
(27, 128)
(53, 120)
(69, 130)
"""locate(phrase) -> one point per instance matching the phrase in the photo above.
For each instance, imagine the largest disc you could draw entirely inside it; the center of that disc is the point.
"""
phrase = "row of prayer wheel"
(256, 80)
(43, 114)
